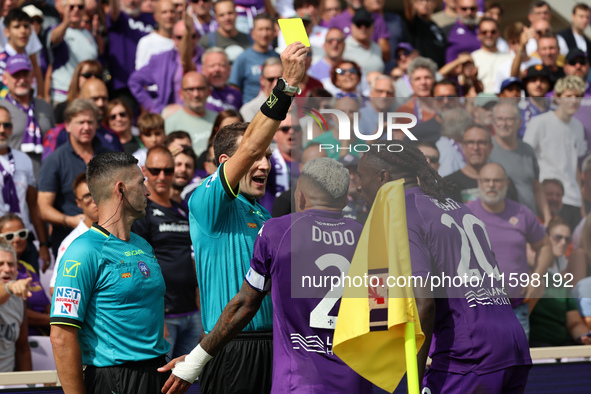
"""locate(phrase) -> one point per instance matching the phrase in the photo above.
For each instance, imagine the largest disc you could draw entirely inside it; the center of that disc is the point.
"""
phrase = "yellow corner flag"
(370, 330)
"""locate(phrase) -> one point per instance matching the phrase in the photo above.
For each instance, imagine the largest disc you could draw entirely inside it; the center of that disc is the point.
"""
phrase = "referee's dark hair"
(410, 163)
(225, 140)
(103, 171)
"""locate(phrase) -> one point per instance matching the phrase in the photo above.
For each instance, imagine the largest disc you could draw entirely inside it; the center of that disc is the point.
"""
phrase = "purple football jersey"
(295, 253)
(475, 327)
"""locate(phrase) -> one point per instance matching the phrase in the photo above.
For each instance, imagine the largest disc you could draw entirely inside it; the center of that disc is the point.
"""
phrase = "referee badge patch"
(144, 269)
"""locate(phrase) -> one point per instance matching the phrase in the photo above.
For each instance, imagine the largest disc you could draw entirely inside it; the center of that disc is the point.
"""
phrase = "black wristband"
(277, 105)
(46, 243)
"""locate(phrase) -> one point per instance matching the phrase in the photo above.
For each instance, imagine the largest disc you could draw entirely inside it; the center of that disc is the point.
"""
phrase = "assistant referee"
(108, 304)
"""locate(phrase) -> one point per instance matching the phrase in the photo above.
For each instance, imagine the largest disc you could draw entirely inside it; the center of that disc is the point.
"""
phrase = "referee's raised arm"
(260, 132)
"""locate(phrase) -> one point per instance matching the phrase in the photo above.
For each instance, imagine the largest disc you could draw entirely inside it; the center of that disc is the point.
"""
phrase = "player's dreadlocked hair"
(410, 163)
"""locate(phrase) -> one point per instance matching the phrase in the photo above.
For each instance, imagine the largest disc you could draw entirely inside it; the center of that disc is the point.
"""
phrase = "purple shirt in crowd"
(344, 19)
(509, 232)
(224, 98)
(313, 243)
(475, 328)
(461, 38)
(38, 301)
(124, 35)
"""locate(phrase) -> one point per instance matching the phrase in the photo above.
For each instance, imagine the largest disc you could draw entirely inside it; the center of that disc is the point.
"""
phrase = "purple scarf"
(32, 138)
(9, 189)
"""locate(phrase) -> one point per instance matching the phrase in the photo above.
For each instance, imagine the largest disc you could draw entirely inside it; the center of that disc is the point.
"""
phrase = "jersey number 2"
(319, 317)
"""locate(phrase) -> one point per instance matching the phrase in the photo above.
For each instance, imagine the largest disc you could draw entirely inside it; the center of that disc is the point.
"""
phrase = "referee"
(108, 303)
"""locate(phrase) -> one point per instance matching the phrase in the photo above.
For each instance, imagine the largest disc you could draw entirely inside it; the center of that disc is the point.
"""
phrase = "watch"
(284, 87)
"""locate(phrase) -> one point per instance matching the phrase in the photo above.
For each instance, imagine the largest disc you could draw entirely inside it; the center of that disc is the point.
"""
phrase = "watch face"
(281, 84)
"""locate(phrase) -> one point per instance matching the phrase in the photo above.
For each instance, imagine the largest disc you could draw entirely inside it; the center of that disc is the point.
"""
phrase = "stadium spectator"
(448, 14)
(454, 123)
(488, 59)
(577, 64)
(380, 33)
(359, 46)
(193, 117)
(226, 36)
(330, 140)
(159, 40)
(166, 228)
(307, 11)
(431, 153)
(152, 133)
(19, 188)
(422, 33)
(537, 85)
(176, 141)
(539, 10)
(321, 195)
(13, 231)
(404, 55)
(421, 72)
(346, 77)
(563, 262)
(554, 191)
(511, 88)
(203, 19)
(118, 356)
(215, 207)
(69, 44)
(15, 354)
(84, 71)
(463, 37)
(180, 7)
(165, 71)
(381, 100)
(334, 47)
(216, 68)
(495, 11)
(394, 23)
(329, 9)
(246, 68)
(270, 73)
(55, 197)
(548, 52)
(437, 238)
(85, 202)
(31, 117)
(586, 184)
(559, 140)
(355, 208)
(518, 159)
(118, 117)
(573, 36)
(445, 93)
(184, 168)
(126, 24)
(511, 226)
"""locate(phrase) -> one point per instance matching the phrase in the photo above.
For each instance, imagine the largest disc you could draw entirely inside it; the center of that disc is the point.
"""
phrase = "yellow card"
(293, 30)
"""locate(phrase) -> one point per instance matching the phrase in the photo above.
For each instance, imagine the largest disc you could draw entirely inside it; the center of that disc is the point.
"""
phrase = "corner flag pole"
(410, 351)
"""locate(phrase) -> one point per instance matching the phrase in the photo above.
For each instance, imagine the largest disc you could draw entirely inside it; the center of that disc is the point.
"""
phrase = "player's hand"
(174, 384)
(294, 59)
(20, 288)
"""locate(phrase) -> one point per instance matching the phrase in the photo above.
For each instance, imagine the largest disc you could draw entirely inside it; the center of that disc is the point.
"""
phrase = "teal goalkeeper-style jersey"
(224, 226)
(113, 291)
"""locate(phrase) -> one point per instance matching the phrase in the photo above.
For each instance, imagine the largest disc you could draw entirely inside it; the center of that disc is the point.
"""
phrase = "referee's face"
(254, 183)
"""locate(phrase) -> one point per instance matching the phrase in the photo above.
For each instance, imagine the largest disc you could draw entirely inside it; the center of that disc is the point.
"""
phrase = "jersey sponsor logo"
(311, 343)
(173, 228)
(126, 275)
(134, 252)
(71, 268)
(212, 178)
(67, 300)
(139, 25)
(144, 269)
(157, 212)
(251, 225)
(513, 221)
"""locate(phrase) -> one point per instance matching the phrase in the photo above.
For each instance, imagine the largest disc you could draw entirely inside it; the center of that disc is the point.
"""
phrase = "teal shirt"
(113, 291)
(224, 226)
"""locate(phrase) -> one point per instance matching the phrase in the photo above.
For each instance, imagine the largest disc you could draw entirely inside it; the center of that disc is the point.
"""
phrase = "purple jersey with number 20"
(292, 256)
(475, 328)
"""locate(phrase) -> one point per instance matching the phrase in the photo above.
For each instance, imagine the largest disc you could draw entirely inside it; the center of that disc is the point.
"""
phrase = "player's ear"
(383, 177)
(223, 158)
(300, 200)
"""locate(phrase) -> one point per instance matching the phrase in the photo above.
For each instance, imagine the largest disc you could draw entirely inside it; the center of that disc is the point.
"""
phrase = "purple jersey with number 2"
(475, 327)
(292, 255)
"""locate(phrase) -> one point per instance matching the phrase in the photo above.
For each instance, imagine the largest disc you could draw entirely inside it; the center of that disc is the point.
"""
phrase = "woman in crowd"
(118, 118)
(83, 72)
(346, 76)
(13, 231)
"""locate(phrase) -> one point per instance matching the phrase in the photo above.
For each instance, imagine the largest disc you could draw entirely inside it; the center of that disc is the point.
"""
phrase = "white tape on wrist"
(191, 368)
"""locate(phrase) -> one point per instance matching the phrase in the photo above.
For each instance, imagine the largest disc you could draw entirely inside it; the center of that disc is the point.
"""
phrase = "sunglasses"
(432, 159)
(557, 238)
(193, 36)
(168, 171)
(74, 6)
(579, 61)
(6, 125)
(21, 234)
(337, 40)
(363, 24)
(285, 129)
(487, 32)
(473, 9)
(90, 75)
(343, 71)
(122, 115)
(401, 53)
(197, 1)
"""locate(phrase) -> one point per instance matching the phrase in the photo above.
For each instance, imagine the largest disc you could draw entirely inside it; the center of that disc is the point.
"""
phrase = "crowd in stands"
(503, 113)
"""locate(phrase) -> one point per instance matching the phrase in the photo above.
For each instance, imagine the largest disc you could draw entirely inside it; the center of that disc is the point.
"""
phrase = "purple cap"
(511, 81)
(404, 45)
(18, 63)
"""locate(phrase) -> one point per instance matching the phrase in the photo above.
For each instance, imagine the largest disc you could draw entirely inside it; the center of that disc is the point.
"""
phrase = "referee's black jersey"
(167, 230)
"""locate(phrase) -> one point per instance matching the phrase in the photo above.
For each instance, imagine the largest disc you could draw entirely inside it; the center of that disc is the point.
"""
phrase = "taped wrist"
(277, 105)
(191, 368)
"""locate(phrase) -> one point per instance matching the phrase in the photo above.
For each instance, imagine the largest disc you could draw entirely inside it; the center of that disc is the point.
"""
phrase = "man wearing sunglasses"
(70, 44)
(360, 47)
(463, 35)
(159, 40)
(166, 228)
(488, 59)
(510, 227)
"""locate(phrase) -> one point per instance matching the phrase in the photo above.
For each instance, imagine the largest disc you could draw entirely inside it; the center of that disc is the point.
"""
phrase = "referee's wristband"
(277, 105)
(8, 289)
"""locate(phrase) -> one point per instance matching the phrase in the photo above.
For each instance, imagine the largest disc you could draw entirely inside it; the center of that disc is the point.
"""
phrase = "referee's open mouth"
(259, 180)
